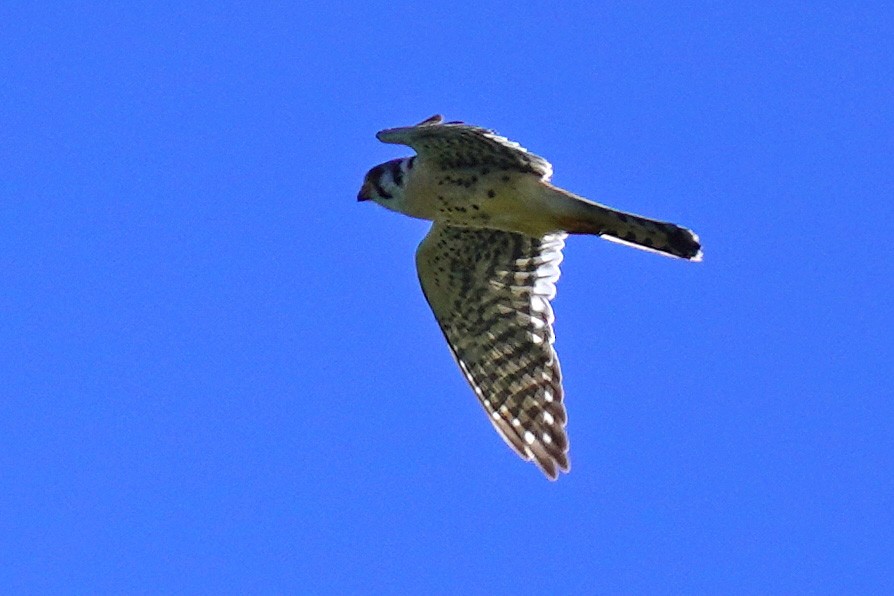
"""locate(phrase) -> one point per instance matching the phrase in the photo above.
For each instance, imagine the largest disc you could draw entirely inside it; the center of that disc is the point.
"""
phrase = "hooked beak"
(364, 194)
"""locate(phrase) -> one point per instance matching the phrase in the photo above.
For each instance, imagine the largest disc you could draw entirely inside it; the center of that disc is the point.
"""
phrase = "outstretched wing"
(490, 292)
(459, 145)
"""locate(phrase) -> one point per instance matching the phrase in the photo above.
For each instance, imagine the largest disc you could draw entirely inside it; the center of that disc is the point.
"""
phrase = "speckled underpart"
(466, 197)
(490, 292)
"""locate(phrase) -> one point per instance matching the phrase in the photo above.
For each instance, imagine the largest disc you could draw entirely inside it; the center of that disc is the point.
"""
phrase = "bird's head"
(384, 183)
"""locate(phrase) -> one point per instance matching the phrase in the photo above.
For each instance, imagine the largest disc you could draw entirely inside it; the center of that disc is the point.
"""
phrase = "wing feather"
(458, 145)
(490, 292)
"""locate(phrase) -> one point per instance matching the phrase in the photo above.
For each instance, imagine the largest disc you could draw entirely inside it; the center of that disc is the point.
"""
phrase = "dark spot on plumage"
(476, 207)
(485, 171)
(491, 193)
(647, 241)
(381, 191)
(622, 217)
(519, 349)
(682, 242)
(527, 266)
(505, 178)
(396, 173)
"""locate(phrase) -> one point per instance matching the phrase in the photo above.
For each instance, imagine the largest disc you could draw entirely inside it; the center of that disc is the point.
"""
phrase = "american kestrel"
(489, 265)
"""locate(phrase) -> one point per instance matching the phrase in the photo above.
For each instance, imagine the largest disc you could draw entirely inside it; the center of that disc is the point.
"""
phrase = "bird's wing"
(490, 292)
(458, 145)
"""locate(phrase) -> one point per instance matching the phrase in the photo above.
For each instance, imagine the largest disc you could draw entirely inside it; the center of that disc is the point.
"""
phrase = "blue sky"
(220, 375)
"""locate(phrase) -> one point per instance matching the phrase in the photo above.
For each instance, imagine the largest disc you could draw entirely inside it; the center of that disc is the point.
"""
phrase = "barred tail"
(649, 234)
(634, 230)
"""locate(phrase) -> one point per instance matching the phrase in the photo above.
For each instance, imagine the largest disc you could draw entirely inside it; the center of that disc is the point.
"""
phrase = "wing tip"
(432, 120)
(387, 135)
(552, 466)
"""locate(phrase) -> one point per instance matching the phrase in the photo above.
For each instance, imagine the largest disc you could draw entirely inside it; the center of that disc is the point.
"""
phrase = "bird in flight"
(489, 264)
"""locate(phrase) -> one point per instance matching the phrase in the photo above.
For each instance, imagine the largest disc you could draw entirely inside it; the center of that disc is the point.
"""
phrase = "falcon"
(489, 265)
